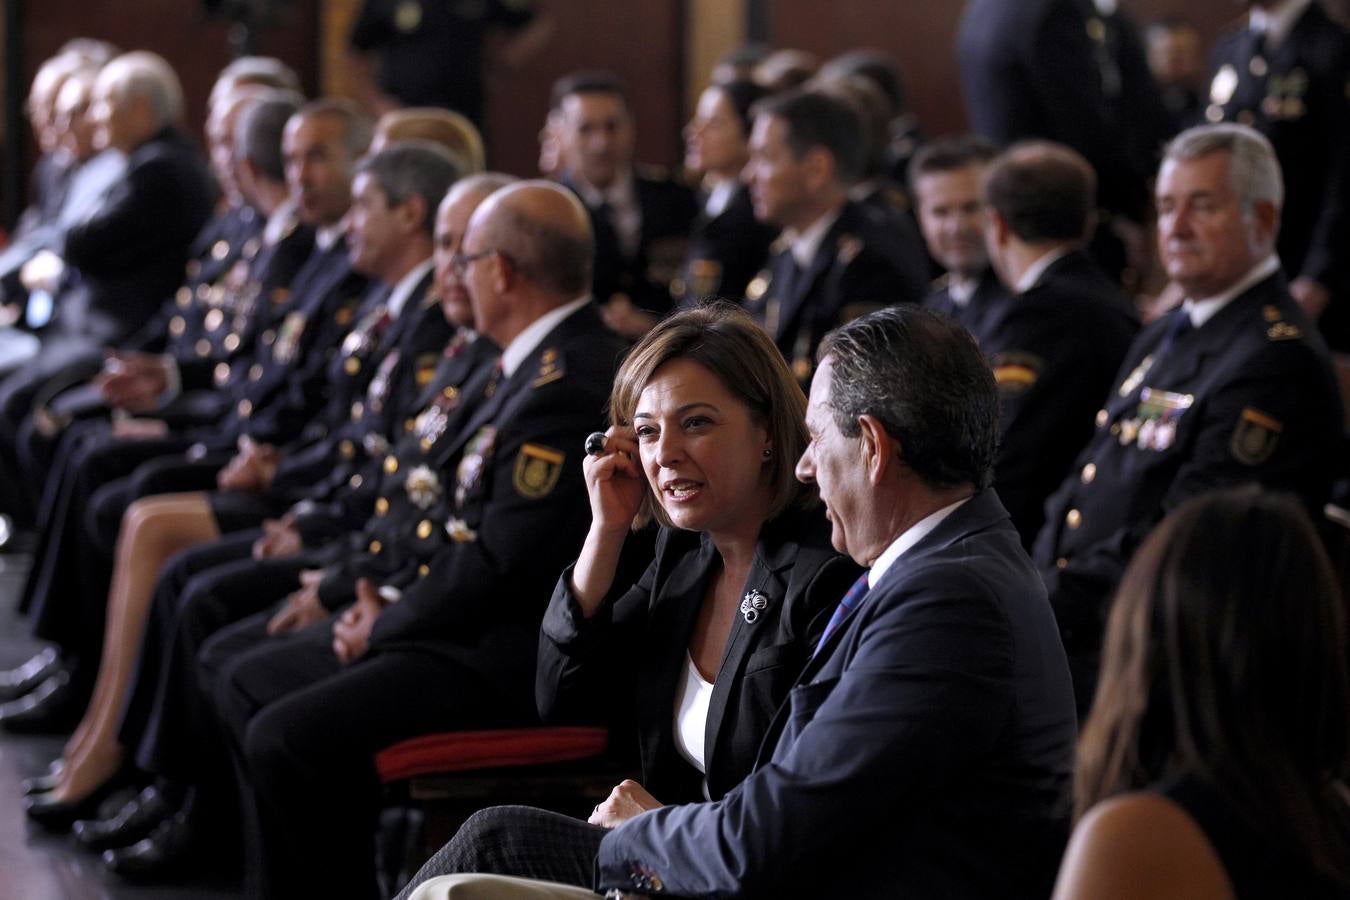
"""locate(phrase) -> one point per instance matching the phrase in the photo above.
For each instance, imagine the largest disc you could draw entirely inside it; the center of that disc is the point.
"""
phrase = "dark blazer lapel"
(805, 281)
(767, 577)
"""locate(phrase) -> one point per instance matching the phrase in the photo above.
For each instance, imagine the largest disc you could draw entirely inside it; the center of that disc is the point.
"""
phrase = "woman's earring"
(768, 452)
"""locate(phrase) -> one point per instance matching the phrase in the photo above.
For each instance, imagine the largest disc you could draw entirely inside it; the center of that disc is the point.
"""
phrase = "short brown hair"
(726, 341)
(1043, 190)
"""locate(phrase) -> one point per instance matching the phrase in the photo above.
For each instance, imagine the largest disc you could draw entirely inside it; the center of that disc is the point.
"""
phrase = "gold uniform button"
(1115, 429)
(222, 374)
(409, 424)
(390, 464)
(1089, 473)
(245, 408)
(214, 319)
(1102, 416)
(177, 325)
(231, 342)
(352, 366)
(423, 570)
(203, 291)
(424, 529)
(1061, 563)
(376, 546)
(220, 250)
(347, 449)
(255, 372)
(1073, 519)
(450, 392)
(203, 347)
(358, 410)
(356, 480)
(382, 506)
(269, 337)
(184, 297)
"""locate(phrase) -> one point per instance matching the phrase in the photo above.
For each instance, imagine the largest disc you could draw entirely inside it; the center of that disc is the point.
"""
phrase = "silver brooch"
(754, 603)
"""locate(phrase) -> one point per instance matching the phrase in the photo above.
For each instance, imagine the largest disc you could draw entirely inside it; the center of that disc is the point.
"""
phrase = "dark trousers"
(521, 841)
(305, 730)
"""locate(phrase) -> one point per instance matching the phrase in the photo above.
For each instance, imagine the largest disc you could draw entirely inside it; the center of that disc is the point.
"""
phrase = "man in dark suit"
(926, 747)
(1233, 387)
(944, 180)
(640, 217)
(836, 259)
(1056, 340)
(450, 584)
(1287, 74)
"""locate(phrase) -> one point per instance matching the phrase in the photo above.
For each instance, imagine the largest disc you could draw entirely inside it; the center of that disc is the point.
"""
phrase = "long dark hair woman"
(1215, 759)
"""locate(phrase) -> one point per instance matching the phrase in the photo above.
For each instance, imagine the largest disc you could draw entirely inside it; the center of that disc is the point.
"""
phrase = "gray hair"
(924, 378)
(257, 134)
(357, 127)
(267, 71)
(141, 73)
(407, 168)
(1254, 167)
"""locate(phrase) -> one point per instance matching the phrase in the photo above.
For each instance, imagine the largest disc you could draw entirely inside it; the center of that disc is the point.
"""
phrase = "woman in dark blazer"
(727, 245)
(708, 427)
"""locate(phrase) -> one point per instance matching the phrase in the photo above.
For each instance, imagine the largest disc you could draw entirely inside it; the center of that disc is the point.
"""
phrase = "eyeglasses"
(460, 262)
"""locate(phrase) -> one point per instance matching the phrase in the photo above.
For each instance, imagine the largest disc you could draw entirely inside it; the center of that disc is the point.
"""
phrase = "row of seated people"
(438, 493)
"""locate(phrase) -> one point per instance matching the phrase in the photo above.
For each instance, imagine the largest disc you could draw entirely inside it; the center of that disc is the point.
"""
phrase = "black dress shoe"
(128, 825)
(23, 678)
(168, 851)
(57, 815)
(49, 707)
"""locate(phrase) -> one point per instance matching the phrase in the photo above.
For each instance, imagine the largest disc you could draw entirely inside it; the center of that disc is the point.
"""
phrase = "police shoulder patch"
(1015, 372)
(1255, 437)
(536, 471)
(551, 368)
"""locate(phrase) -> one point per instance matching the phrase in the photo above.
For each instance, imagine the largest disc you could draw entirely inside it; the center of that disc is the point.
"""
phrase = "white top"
(525, 342)
(1201, 311)
(908, 538)
(1277, 22)
(691, 716)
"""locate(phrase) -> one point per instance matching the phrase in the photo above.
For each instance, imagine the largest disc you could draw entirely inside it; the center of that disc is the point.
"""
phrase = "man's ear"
(412, 213)
(876, 447)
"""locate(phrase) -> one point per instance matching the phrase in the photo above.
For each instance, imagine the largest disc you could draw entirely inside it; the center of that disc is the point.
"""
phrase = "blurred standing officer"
(1287, 74)
(1232, 387)
(431, 52)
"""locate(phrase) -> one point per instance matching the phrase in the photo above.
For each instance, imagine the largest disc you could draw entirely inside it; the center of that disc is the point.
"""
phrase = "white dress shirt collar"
(1201, 311)
(1277, 21)
(806, 243)
(907, 539)
(398, 297)
(1032, 275)
(525, 342)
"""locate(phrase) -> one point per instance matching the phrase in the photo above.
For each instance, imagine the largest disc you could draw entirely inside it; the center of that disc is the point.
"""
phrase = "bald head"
(545, 233)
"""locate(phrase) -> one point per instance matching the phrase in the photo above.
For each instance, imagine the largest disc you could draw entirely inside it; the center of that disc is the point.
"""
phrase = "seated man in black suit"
(1056, 340)
(926, 748)
(944, 180)
(836, 258)
(449, 582)
(640, 217)
(114, 268)
(1233, 387)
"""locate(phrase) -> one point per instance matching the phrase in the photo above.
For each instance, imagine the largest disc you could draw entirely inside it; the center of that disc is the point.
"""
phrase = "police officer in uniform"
(944, 180)
(1234, 386)
(1287, 74)
(1056, 339)
(641, 218)
(492, 513)
(836, 259)
(243, 572)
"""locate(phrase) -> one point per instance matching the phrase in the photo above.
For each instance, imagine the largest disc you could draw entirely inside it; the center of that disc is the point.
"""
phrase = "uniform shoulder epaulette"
(1276, 328)
(551, 368)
